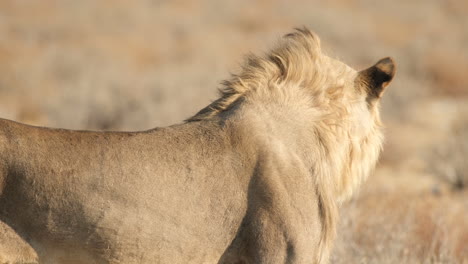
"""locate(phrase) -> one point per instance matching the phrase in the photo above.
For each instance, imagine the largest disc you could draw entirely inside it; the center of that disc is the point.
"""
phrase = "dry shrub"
(448, 161)
(403, 228)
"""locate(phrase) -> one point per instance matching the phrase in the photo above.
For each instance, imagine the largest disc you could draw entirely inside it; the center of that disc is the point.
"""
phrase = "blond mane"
(299, 62)
(296, 60)
(342, 162)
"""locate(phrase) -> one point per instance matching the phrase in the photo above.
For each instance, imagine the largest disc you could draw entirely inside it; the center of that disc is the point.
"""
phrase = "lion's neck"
(336, 158)
(345, 162)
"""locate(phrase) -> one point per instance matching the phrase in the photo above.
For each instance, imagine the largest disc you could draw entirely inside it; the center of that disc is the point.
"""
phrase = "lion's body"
(137, 197)
(254, 178)
(126, 197)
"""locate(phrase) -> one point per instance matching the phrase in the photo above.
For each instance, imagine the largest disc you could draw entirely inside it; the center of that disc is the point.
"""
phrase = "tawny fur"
(255, 177)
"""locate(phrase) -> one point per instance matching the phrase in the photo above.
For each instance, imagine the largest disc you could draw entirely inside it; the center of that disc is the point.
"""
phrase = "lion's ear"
(377, 77)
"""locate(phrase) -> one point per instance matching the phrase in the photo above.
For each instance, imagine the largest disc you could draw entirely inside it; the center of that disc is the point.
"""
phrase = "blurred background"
(132, 65)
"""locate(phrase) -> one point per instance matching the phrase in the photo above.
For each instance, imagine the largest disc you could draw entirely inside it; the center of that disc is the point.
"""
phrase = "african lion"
(255, 177)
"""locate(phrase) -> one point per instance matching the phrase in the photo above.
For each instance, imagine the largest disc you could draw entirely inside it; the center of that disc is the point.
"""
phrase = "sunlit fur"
(346, 130)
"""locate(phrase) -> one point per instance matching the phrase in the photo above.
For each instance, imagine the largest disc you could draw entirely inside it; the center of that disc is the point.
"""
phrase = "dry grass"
(139, 64)
(403, 225)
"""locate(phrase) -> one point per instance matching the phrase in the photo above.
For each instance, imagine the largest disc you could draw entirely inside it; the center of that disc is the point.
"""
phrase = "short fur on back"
(254, 177)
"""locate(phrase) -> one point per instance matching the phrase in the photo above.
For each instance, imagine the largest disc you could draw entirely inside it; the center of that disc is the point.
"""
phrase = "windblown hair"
(297, 60)
(343, 160)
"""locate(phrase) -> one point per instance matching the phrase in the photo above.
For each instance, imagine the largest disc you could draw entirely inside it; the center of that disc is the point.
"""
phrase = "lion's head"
(338, 106)
(342, 104)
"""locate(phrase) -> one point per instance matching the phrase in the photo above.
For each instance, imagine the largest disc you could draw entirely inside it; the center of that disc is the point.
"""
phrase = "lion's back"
(156, 191)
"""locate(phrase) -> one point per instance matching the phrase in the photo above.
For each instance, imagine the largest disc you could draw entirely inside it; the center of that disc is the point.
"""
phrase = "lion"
(257, 176)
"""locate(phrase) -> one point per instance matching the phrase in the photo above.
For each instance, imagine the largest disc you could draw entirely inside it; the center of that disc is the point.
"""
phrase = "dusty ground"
(138, 64)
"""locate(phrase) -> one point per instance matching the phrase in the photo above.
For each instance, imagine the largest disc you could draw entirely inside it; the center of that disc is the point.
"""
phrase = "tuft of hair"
(296, 59)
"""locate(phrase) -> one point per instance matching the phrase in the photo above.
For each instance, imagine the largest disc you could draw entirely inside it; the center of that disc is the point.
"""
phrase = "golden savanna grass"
(139, 64)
